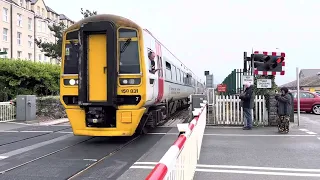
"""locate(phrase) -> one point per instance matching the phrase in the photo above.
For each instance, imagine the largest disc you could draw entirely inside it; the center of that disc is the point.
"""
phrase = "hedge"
(23, 77)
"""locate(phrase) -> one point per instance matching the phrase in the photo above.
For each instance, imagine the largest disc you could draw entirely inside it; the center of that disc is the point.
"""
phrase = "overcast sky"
(213, 34)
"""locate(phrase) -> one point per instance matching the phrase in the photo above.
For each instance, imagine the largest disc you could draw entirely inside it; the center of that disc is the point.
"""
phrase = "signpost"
(264, 83)
(247, 79)
(222, 88)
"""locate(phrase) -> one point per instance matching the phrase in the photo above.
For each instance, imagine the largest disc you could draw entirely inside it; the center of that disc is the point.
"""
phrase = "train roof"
(105, 17)
(120, 21)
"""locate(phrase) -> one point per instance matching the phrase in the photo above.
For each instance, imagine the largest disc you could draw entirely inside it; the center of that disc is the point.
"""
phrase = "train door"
(97, 64)
(160, 73)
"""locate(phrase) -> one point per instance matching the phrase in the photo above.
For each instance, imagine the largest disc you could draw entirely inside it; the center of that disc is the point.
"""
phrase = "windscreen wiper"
(125, 45)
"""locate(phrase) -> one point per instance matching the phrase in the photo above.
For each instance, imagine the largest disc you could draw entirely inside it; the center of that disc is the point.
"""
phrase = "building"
(24, 20)
(309, 81)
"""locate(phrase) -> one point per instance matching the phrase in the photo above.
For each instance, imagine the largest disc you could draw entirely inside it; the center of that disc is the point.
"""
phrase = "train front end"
(101, 85)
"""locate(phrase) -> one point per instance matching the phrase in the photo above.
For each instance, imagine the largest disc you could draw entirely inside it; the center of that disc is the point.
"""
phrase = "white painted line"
(318, 138)
(3, 157)
(259, 168)
(274, 173)
(10, 131)
(309, 132)
(90, 160)
(142, 167)
(223, 127)
(303, 129)
(19, 123)
(38, 131)
(260, 135)
(259, 172)
(164, 133)
(35, 146)
(150, 163)
(54, 122)
(64, 132)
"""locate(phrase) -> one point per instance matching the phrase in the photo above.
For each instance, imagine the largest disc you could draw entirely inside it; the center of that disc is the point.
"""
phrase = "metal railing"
(181, 159)
(7, 111)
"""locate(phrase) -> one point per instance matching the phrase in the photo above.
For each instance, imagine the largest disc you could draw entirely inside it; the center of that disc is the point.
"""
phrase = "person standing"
(284, 104)
(247, 100)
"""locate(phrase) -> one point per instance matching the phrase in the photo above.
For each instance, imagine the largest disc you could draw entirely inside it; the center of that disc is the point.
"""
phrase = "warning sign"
(264, 83)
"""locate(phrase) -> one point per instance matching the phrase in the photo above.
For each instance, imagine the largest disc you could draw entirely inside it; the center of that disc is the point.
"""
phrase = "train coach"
(117, 79)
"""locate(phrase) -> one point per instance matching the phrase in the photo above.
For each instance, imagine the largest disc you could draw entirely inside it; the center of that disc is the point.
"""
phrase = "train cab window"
(127, 33)
(128, 52)
(71, 59)
(152, 63)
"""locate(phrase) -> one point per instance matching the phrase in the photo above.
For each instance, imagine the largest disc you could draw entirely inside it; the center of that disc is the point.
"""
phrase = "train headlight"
(70, 82)
(130, 81)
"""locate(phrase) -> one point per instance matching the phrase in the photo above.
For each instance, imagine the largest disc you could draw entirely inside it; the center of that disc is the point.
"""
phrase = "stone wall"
(50, 107)
(272, 110)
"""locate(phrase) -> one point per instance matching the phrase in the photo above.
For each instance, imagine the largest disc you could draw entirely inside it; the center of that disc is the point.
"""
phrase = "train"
(117, 79)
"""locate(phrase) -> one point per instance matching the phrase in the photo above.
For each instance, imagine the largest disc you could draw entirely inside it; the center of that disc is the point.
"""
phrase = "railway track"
(179, 116)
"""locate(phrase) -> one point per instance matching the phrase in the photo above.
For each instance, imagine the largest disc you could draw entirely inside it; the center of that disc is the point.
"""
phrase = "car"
(309, 101)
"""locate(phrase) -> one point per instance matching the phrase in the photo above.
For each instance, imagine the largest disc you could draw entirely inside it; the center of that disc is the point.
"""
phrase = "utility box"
(26, 107)
(196, 99)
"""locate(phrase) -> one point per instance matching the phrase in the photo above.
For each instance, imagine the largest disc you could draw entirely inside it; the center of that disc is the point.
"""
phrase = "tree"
(264, 91)
(88, 13)
(54, 50)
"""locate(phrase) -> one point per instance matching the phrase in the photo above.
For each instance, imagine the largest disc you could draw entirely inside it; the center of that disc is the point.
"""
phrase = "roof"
(310, 81)
(51, 10)
(64, 17)
(308, 72)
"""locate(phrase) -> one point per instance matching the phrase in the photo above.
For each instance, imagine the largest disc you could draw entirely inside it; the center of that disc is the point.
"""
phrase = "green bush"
(22, 77)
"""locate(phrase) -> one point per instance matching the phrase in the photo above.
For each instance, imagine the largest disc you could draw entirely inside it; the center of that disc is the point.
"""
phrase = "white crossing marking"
(309, 132)
(242, 169)
(261, 135)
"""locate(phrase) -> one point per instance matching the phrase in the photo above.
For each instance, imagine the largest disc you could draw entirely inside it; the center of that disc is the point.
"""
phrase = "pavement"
(230, 153)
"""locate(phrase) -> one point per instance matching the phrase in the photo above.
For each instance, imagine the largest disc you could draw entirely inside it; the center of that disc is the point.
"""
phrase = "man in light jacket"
(247, 100)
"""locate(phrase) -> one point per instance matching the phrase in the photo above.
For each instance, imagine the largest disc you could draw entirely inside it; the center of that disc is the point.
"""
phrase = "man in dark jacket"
(247, 100)
(284, 110)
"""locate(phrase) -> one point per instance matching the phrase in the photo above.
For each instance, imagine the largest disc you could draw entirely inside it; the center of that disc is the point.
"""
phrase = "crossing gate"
(226, 110)
(7, 112)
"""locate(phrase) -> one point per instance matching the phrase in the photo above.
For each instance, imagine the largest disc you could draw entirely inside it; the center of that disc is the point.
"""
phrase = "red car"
(309, 102)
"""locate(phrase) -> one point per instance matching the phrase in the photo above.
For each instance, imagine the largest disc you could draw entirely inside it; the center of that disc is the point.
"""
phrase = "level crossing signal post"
(264, 64)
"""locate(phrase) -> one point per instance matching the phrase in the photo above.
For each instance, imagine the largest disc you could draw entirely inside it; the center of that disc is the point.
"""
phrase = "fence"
(7, 111)
(227, 111)
(181, 159)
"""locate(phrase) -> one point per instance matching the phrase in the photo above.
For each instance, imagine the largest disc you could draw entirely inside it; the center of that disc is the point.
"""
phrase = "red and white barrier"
(180, 161)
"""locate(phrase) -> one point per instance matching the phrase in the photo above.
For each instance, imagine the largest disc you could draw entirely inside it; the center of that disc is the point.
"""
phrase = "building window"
(45, 58)
(38, 10)
(29, 23)
(19, 54)
(29, 56)
(27, 5)
(5, 14)
(43, 13)
(39, 57)
(19, 20)
(30, 41)
(5, 50)
(19, 38)
(5, 34)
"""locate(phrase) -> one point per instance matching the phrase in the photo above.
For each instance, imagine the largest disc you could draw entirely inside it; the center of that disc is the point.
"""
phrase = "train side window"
(168, 71)
(174, 73)
(178, 75)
